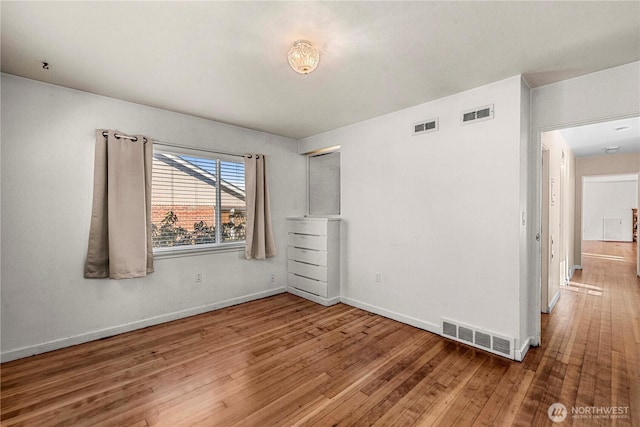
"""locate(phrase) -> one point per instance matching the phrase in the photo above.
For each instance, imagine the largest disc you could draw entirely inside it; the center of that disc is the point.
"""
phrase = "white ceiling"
(226, 61)
(592, 140)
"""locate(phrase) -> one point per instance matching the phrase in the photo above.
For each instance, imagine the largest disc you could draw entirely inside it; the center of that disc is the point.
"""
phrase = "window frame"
(207, 248)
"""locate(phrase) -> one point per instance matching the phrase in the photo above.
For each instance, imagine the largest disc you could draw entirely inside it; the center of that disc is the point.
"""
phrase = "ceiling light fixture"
(611, 150)
(303, 57)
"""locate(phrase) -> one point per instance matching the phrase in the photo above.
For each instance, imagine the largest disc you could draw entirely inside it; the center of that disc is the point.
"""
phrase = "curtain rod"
(169, 144)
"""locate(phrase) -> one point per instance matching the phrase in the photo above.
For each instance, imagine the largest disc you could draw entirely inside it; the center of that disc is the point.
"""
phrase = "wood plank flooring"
(285, 361)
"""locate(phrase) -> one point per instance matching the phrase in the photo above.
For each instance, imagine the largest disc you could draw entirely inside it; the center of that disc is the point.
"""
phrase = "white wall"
(591, 98)
(613, 199)
(47, 173)
(527, 234)
(437, 215)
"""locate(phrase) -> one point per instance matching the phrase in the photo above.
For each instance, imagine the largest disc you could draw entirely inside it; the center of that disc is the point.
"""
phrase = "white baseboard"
(436, 329)
(315, 298)
(427, 326)
(247, 298)
(519, 354)
(19, 353)
(534, 341)
(553, 302)
(572, 271)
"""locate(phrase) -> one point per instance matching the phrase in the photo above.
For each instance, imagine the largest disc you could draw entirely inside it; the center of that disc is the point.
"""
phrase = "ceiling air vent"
(425, 126)
(477, 115)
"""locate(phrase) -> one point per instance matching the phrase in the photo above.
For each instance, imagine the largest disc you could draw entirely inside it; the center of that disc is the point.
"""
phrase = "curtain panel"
(260, 243)
(120, 233)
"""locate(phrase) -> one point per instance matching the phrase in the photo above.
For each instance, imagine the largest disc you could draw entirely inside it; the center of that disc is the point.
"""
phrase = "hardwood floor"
(287, 361)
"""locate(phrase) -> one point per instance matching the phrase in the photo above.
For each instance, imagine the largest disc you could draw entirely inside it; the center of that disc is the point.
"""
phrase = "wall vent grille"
(477, 115)
(450, 329)
(501, 345)
(465, 334)
(483, 340)
(479, 338)
(426, 126)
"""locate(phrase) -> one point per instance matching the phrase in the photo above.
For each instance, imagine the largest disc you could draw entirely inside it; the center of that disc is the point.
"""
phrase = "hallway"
(590, 353)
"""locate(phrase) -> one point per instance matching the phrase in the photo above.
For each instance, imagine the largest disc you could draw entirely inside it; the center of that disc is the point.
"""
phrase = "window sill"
(179, 252)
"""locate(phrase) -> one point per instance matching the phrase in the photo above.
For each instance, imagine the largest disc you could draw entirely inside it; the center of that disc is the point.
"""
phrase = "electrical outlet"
(378, 278)
(198, 278)
(272, 278)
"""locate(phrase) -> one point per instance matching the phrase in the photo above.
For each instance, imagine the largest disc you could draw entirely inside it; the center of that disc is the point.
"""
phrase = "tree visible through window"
(196, 201)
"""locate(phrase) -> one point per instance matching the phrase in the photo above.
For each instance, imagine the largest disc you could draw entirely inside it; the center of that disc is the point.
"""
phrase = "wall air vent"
(430, 125)
(477, 115)
(479, 338)
(450, 329)
(465, 334)
(501, 345)
(483, 340)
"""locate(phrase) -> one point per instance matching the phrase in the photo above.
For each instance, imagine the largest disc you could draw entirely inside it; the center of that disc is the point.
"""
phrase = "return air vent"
(449, 329)
(483, 340)
(477, 115)
(476, 337)
(501, 345)
(430, 125)
(465, 334)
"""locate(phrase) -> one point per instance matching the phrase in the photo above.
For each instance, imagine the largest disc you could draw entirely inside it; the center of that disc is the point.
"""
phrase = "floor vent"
(426, 126)
(476, 337)
(477, 115)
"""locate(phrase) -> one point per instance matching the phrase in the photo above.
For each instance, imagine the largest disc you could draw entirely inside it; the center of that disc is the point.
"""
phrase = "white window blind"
(196, 201)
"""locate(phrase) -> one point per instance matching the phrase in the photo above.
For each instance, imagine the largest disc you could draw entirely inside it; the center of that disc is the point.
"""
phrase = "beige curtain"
(120, 233)
(259, 238)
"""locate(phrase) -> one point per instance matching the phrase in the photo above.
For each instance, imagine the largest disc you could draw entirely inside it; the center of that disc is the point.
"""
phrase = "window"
(197, 201)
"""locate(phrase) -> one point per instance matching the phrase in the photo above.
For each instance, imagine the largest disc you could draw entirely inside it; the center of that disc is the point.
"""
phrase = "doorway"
(609, 211)
(557, 189)
(601, 150)
(544, 244)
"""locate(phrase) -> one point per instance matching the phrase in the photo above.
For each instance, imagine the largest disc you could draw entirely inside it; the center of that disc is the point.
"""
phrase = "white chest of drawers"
(313, 256)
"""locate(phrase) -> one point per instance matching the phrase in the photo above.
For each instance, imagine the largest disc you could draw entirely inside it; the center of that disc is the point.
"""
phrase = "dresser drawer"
(307, 270)
(307, 255)
(308, 285)
(307, 241)
(318, 228)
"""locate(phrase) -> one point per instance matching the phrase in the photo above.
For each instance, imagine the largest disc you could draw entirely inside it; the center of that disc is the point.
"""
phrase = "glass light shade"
(303, 57)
